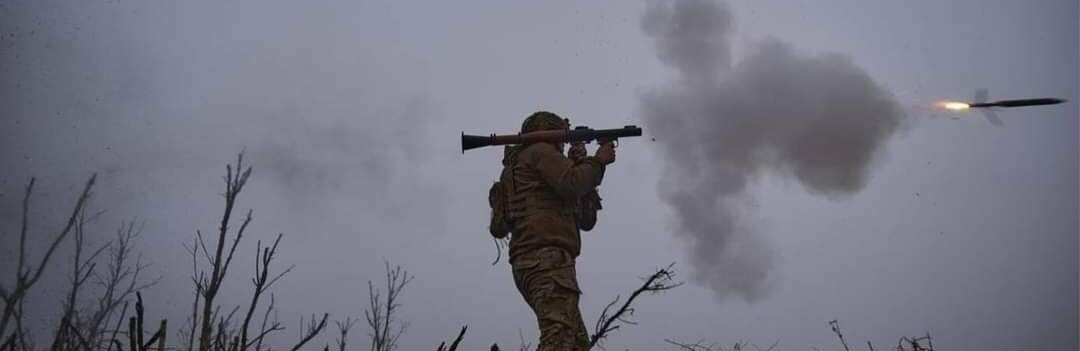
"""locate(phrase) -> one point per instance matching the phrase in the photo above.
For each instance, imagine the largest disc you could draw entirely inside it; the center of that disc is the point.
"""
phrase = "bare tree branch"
(67, 335)
(22, 229)
(381, 311)
(835, 325)
(312, 330)
(658, 282)
(210, 286)
(262, 282)
(121, 281)
(916, 343)
(263, 329)
(456, 342)
(343, 331)
(696, 346)
(112, 338)
(26, 277)
(196, 277)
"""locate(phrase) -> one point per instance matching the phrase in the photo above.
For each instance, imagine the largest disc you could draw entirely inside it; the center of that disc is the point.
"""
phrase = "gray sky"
(350, 113)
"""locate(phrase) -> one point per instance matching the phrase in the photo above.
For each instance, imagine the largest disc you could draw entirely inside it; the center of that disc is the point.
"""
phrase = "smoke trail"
(819, 119)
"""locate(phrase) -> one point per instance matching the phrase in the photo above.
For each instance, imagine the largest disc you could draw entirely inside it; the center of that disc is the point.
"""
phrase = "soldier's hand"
(577, 151)
(606, 153)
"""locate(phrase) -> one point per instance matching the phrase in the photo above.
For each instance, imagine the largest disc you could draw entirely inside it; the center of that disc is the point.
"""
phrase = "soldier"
(544, 199)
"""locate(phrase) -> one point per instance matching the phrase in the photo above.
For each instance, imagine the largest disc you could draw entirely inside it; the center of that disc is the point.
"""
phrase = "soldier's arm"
(571, 181)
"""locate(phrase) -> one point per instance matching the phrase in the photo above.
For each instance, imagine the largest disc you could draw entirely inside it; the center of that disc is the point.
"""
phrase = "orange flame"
(954, 105)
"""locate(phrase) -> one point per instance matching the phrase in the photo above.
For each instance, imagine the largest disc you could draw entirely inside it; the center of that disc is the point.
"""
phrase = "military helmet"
(544, 120)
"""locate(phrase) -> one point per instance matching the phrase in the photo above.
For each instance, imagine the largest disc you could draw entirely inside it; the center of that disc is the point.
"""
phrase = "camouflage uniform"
(549, 199)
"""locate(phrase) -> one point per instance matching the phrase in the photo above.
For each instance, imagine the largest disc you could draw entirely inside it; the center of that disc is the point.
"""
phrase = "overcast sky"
(350, 114)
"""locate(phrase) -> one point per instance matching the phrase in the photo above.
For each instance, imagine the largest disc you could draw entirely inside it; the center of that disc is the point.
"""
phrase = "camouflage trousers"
(547, 280)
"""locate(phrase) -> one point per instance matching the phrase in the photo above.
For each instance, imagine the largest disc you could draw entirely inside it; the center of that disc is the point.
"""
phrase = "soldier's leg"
(561, 326)
(548, 282)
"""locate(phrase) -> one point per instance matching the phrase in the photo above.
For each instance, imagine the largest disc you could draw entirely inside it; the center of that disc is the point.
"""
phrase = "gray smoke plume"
(819, 119)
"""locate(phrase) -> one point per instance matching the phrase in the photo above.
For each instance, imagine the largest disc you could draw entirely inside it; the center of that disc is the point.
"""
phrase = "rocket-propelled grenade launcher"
(578, 134)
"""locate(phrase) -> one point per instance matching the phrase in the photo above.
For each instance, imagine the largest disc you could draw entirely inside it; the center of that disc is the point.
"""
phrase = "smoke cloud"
(817, 118)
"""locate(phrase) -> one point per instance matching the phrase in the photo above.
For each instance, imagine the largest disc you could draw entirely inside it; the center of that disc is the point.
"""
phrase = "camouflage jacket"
(551, 198)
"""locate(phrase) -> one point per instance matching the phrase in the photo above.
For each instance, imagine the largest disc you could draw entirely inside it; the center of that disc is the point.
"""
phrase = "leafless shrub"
(381, 311)
(209, 286)
(660, 281)
(120, 282)
(921, 343)
(67, 335)
(26, 275)
(217, 331)
(83, 327)
(262, 282)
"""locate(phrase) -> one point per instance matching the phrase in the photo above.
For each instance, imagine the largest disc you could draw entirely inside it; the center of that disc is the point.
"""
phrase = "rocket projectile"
(987, 107)
(1017, 103)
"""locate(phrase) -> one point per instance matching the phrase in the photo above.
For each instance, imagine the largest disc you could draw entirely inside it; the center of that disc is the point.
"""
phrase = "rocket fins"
(981, 95)
(992, 117)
